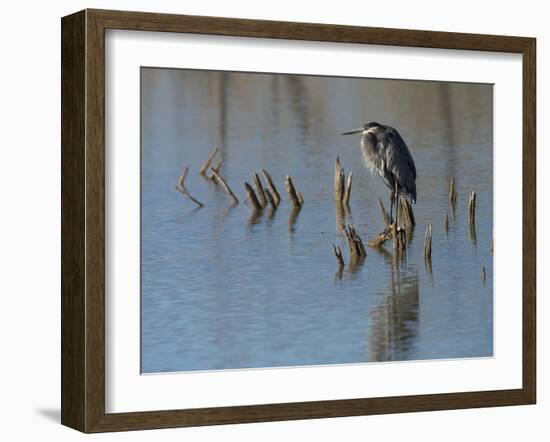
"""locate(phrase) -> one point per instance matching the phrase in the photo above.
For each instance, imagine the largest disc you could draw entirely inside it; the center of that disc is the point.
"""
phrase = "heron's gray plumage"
(386, 153)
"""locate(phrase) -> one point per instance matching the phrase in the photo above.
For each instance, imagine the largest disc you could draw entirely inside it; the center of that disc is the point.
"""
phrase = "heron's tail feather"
(411, 196)
(411, 193)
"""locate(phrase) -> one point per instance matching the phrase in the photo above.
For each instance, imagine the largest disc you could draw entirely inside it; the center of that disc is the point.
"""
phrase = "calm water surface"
(222, 289)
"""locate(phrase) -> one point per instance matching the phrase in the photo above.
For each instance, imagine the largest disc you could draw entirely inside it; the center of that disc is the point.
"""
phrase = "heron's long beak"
(354, 131)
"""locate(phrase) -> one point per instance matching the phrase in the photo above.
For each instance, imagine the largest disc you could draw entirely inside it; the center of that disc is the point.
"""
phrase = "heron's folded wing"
(400, 161)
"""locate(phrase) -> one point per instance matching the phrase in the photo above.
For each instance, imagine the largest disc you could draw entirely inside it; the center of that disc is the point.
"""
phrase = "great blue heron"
(384, 151)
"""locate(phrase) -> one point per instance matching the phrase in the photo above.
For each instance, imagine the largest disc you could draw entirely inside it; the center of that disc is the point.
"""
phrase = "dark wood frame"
(83, 220)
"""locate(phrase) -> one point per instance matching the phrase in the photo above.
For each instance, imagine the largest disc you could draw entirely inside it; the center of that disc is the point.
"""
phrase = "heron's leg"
(392, 196)
(396, 196)
(397, 208)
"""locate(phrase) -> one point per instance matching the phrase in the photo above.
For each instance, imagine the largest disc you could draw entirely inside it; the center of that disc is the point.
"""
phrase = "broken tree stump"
(452, 192)
(406, 212)
(355, 243)
(381, 238)
(338, 253)
(385, 214)
(428, 243)
(296, 198)
(342, 186)
(271, 198)
(472, 208)
(339, 178)
(252, 197)
(271, 187)
(347, 190)
(262, 199)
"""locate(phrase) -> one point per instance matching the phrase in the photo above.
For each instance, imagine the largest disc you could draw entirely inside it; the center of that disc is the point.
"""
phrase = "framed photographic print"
(268, 221)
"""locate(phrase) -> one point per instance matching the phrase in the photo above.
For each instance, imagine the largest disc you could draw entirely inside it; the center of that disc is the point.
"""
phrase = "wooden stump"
(271, 187)
(295, 198)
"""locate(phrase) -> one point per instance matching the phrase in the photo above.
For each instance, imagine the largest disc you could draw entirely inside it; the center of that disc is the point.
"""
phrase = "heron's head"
(369, 128)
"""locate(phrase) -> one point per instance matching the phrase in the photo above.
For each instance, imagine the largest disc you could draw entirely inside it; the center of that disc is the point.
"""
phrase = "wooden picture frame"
(83, 220)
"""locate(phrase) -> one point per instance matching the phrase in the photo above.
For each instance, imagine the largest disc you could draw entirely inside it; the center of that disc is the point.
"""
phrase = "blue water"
(224, 289)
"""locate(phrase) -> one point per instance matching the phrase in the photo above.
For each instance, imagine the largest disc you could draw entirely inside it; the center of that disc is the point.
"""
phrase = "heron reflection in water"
(394, 323)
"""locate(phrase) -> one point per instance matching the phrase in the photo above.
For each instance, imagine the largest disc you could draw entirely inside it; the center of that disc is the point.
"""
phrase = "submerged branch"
(224, 185)
(180, 187)
(206, 164)
(217, 169)
(381, 238)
